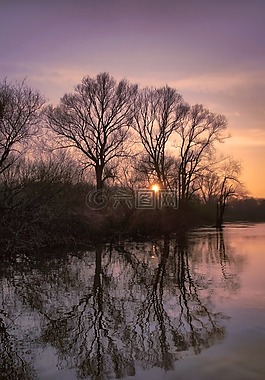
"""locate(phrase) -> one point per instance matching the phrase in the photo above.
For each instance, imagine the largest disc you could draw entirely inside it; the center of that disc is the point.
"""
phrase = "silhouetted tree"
(229, 187)
(20, 108)
(34, 193)
(209, 184)
(219, 183)
(95, 120)
(158, 115)
(197, 135)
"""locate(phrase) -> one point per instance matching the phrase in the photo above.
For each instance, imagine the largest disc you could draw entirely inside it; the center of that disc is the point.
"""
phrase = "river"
(192, 308)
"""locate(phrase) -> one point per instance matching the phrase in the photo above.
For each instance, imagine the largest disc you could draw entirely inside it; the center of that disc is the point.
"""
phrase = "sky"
(211, 51)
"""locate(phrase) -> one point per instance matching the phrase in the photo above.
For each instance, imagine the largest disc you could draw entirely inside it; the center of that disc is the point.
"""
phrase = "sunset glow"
(181, 44)
(132, 189)
(155, 188)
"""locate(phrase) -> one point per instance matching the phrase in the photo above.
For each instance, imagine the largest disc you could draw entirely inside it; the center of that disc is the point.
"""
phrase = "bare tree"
(95, 121)
(158, 114)
(197, 135)
(229, 187)
(209, 182)
(20, 108)
(219, 184)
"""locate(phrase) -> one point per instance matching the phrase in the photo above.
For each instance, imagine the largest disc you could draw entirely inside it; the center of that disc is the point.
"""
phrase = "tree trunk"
(99, 176)
(220, 208)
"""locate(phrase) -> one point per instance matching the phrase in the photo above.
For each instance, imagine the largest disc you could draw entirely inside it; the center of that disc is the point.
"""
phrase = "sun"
(155, 188)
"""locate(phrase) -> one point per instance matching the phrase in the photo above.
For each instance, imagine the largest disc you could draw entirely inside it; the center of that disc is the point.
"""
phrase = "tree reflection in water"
(123, 306)
(14, 364)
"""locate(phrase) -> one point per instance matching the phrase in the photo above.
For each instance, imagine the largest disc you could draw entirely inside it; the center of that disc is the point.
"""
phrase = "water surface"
(166, 309)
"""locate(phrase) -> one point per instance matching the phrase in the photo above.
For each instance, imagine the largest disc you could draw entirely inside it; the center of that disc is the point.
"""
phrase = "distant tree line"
(107, 135)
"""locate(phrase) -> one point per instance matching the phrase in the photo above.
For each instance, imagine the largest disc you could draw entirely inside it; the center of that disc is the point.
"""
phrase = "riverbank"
(58, 215)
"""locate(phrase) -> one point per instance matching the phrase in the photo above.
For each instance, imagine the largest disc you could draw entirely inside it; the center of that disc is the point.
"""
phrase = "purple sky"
(212, 51)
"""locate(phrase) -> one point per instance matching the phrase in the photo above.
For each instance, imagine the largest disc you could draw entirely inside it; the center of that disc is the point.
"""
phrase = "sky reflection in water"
(165, 309)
